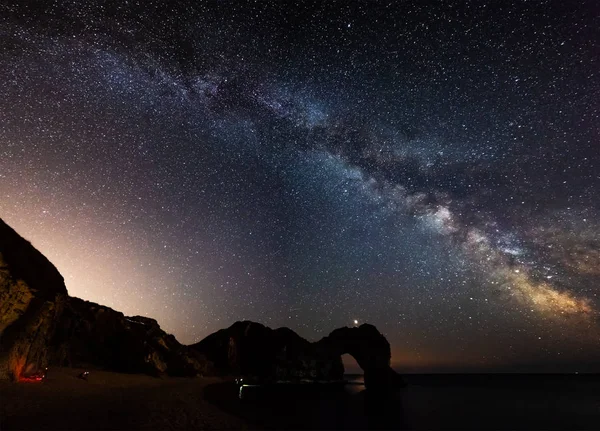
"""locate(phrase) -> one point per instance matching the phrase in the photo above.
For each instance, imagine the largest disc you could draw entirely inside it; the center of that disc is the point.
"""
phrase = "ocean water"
(435, 401)
(501, 401)
(355, 383)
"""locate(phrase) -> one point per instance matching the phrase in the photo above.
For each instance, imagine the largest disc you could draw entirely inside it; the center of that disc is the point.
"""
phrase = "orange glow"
(33, 379)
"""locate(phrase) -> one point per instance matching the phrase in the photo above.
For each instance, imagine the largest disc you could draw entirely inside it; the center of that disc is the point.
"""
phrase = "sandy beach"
(110, 401)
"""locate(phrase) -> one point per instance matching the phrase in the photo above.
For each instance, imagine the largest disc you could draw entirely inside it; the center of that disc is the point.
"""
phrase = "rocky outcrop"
(32, 297)
(92, 335)
(40, 325)
(370, 349)
(251, 349)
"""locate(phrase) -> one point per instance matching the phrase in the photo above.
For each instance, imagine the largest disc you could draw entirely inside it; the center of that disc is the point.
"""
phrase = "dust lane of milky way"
(430, 169)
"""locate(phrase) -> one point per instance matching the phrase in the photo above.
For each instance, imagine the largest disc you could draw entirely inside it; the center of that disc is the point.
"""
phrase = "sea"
(433, 402)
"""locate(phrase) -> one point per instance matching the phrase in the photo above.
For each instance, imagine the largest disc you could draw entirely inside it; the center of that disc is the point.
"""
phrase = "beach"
(110, 401)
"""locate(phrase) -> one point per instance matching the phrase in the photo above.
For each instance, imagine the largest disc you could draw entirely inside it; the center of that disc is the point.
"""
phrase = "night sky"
(432, 168)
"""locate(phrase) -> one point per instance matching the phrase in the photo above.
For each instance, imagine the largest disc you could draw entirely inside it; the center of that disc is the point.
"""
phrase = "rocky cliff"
(370, 349)
(32, 297)
(40, 325)
(251, 349)
(92, 335)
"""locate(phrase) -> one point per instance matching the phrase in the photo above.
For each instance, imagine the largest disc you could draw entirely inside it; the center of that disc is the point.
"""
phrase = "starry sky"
(432, 168)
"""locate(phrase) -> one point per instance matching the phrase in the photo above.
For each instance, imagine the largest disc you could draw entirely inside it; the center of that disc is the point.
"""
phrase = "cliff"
(32, 297)
(251, 349)
(41, 325)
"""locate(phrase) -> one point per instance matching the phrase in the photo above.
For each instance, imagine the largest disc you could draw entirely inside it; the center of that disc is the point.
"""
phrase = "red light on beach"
(34, 378)
(31, 379)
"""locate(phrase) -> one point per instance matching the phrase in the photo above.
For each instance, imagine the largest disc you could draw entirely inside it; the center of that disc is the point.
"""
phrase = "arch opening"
(351, 367)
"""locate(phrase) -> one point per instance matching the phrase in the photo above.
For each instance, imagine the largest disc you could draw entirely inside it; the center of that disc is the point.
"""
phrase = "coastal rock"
(32, 297)
(254, 350)
(370, 349)
(92, 335)
(251, 349)
(41, 326)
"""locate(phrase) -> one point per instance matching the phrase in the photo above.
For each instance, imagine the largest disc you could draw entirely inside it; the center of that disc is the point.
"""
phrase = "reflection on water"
(326, 405)
(355, 378)
(355, 383)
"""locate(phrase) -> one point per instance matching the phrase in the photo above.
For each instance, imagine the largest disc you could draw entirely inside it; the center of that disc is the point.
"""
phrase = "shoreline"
(109, 400)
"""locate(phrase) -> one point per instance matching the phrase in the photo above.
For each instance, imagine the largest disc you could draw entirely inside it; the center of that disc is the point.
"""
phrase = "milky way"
(431, 169)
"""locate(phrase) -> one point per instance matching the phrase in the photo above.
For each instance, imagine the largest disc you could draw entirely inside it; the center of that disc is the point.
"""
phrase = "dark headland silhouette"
(251, 349)
(141, 377)
(41, 326)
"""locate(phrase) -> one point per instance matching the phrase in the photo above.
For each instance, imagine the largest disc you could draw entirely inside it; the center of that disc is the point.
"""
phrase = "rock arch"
(369, 348)
(249, 349)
